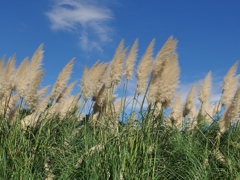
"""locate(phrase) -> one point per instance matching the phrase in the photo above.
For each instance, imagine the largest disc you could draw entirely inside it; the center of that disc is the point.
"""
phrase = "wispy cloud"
(88, 19)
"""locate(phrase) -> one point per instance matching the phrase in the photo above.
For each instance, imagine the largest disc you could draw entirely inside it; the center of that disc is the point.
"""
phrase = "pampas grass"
(35, 64)
(230, 85)
(190, 100)
(117, 64)
(168, 82)
(85, 85)
(205, 92)
(175, 117)
(21, 78)
(97, 76)
(95, 135)
(62, 80)
(32, 97)
(204, 95)
(144, 69)
(130, 61)
(42, 92)
(231, 114)
(229, 76)
(8, 77)
(164, 55)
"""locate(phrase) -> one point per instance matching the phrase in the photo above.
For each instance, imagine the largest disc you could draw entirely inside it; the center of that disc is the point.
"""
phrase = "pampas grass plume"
(43, 104)
(168, 82)
(130, 61)
(205, 92)
(230, 90)
(144, 69)
(164, 54)
(229, 76)
(68, 105)
(86, 84)
(231, 114)
(32, 97)
(9, 75)
(176, 113)
(42, 92)
(117, 64)
(35, 63)
(96, 78)
(190, 100)
(62, 79)
(230, 85)
(21, 78)
(153, 88)
(107, 80)
(66, 92)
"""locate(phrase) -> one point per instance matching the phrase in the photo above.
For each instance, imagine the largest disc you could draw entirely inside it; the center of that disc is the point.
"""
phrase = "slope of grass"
(71, 150)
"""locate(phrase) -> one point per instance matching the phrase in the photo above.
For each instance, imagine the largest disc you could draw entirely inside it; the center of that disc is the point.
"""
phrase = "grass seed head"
(62, 79)
(164, 54)
(130, 61)
(144, 69)
(190, 100)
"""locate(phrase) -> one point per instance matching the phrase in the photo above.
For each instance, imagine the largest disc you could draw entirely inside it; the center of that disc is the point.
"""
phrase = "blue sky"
(208, 33)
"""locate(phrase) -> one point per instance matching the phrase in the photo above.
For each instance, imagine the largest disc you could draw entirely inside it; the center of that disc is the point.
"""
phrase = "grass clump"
(95, 135)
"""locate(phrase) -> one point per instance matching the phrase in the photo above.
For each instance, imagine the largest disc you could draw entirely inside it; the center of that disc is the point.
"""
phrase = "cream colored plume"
(102, 96)
(231, 114)
(230, 85)
(91, 79)
(31, 98)
(176, 113)
(35, 63)
(229, 76)
(114, 70)
(209, 114)
(86, 84)
(144, 69)
(204, 95)
(21, 70)
(107, 79)
(190, 102)
(42, 92)
(230, 90)
(62, 80)
(11, 106)
(130, 61)
(205, 92)
(68, 105)
(96, 78)
(30, 121)
(168, 82)
(153, 88)
(21, 78)
(42, 105)
(191, 122)
(66, 93)
(9, 75)
(117, 64)
(164, 54)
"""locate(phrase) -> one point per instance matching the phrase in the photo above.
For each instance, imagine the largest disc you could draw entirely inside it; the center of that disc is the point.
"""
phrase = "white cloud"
(87, 18)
